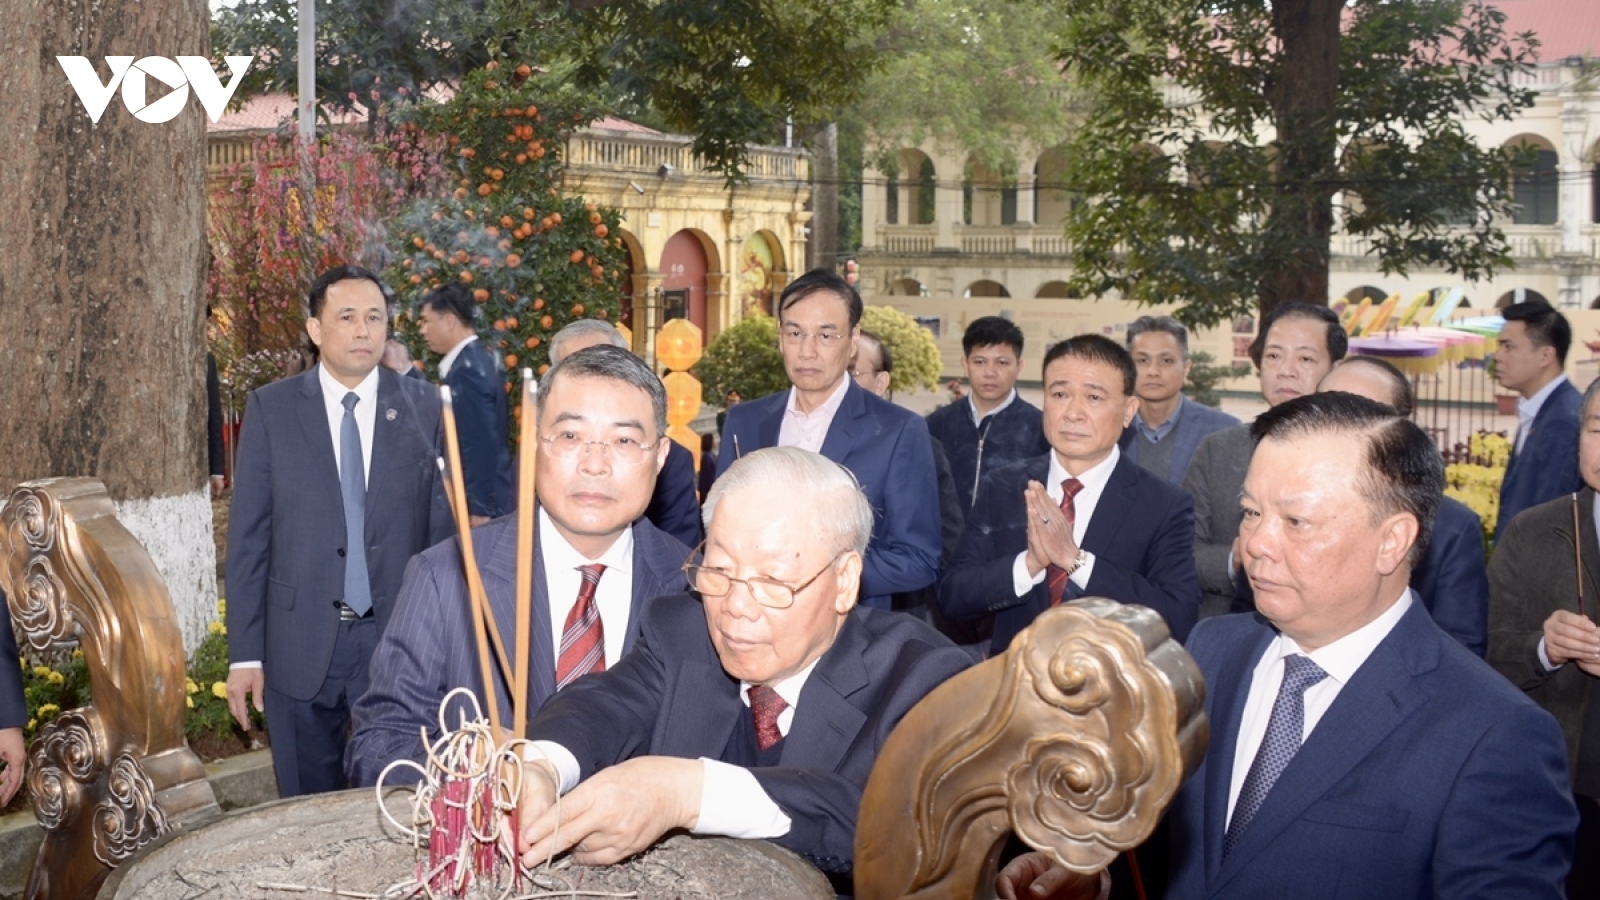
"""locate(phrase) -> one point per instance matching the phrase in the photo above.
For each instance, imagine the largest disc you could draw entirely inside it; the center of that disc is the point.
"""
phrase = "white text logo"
(187, 72)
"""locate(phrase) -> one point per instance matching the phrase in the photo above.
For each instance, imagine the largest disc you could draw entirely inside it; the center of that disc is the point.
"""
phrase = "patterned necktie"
(1057, 577)
(583, 639)
(353, 487)
(765, 707)
(1285, 731)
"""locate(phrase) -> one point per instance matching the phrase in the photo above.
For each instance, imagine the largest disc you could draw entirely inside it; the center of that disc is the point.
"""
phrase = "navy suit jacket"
(670, 697)
(1141, 535)
(1452, 582)
(675, 505)
(478, 395)
(887, 449)
(428, 650)
(286, 535)
(1429, 776)
(1547, 465)
(13, 705)
(1195, 421)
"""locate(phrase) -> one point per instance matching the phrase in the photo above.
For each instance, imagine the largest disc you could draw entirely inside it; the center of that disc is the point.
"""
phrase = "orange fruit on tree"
(484, 189)
(492, 231)
(601, 230)
(602, 314)
(513, 260)
(468, 152)
(507, 221)
(465, 276)
(544, 368)
(531, 111)
(576, 256)
(546, 322)
(499, 324)
(522, 159)
(481, 295)
(538, 303)
(538, 152)
(555, 216)
(577, 309)
(416, 279)
(531, 343)
(418, 242)
(511, 323)
(594, 218)
(523, 71)
(511, 360)
(490, 66)
(461, 193)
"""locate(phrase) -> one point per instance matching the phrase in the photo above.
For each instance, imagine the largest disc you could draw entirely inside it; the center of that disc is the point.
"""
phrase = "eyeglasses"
(769, 592)
(828, 339)
(567, 444)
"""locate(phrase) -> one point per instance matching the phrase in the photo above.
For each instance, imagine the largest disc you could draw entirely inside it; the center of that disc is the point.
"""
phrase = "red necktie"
(1057, 577)
(765, 707)
(583, 644)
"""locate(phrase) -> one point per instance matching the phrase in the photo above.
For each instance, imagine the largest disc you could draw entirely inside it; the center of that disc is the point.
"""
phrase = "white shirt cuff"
(733, 804)
(1021, 581)
(1544, 660)
(1084, 573)
(248, 664)
(566, 764)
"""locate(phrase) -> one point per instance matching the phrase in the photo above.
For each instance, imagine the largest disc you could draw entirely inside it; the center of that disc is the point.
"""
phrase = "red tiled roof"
(612, 123)
(1564, 27)
(265, 113)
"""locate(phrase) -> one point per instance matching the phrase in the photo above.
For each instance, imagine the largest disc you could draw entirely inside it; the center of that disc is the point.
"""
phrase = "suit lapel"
(842, 431)
(1380, 696)
(1231, 689)
(767, 428)
(704, 725)
(825, 722)
(653, 568)
(313, 414)
(1109, 511)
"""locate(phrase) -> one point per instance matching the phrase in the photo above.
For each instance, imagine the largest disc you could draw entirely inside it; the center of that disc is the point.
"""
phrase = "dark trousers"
(1584, 882)
(309, 736)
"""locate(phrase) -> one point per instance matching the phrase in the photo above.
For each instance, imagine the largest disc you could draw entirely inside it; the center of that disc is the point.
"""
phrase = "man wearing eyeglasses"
(754, 710)
(885, 446)
(602, 417)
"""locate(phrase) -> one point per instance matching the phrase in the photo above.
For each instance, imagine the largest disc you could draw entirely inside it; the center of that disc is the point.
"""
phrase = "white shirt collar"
(1094, 480)
(333, 392)
(828, 407)
(1341, 658)
(972, 406)
(1528, 407)
(557, 553)
(450, 358)
(789, 689)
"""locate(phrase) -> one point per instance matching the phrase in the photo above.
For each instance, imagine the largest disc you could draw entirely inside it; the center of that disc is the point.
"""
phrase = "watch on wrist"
(1079, 562)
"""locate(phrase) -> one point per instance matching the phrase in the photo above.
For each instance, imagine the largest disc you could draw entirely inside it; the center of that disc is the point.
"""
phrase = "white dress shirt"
(1339, 659)
(613, 594)
(972, 407)
(450, 358)
(1528, 408)
(732, 801)
(1094, 482)
(807, 430)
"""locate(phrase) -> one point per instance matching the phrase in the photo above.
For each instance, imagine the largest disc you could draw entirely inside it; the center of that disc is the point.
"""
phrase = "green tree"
(917, 363)
(744, 358)
(1366, 100)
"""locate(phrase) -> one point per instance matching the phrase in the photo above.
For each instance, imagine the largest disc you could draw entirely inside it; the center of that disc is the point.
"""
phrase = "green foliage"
(1205, 375)
(535, 259)
(917, 363)
(1224, 221)
(744, 358)
(52, 683)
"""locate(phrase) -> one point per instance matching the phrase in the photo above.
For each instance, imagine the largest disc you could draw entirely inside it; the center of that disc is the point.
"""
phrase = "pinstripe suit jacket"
(428, 650)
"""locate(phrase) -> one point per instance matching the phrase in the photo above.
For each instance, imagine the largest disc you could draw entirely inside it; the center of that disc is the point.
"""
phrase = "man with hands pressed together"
(755, 709)
(1081, 520)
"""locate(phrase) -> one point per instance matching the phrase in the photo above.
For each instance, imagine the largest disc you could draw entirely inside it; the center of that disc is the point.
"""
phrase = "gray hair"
(1585, 406)
(585, 328)
(848, 518)
(614, 364)
(1162, 324)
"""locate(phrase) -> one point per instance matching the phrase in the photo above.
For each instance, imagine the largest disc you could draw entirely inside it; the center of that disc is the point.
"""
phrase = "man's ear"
(1398, 533)
(1130, 410)
(314, 329)
(849, 583)
(663, 447)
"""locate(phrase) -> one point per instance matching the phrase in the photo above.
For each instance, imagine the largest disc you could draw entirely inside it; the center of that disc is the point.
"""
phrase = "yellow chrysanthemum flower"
(219, 690)
(190, 687)
(41, 671)
(56, 678)
(190, 701)
(48, 710)
(216, 628)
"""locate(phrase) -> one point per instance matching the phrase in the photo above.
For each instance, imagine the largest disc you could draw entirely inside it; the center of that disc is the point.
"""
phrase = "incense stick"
(480, 600)
(1577, 550)
(528, 442)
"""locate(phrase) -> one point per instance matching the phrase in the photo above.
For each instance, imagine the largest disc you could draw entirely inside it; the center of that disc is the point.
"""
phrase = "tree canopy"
(1220, 135)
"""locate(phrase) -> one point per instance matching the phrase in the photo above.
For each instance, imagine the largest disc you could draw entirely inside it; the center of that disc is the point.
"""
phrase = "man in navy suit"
(447, 318)
(754, 710)
(1530, 360)
(1082, 520)
(336, 486)
(675, 503)
(885, 446)
(13, 709)
(1451, 581)
(1356, 750)
(602, 414)
(1169, 426)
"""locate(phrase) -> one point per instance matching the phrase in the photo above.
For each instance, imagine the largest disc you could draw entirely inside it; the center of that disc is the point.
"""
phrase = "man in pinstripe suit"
(602, 421)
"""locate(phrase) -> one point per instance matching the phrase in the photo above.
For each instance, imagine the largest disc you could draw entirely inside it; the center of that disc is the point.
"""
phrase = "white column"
(874, 206)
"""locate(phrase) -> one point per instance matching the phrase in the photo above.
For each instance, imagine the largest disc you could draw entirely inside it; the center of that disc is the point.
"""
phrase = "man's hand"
(616, 813)
(1033, 876)
(1569, 637)
(1050, 540)
(245, 683)
(218, 482)
(14, 755)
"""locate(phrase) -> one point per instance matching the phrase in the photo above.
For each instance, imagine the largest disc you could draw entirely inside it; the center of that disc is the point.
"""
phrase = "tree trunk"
(1303, 93)
(822, 249)
(102, 276)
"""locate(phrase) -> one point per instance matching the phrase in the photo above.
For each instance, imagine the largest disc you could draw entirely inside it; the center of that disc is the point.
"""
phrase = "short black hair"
(885, 358)
(319, 288)
(1546, 326)
(1404, 470)
(990, 331)
(1163, 325)
(1100, 349)
(455, 300)
(613, 364)
(1338, 341)
(821, 280)
(1405, 399)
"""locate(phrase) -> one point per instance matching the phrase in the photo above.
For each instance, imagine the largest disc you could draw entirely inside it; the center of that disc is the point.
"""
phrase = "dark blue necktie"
(353, 485)
(1285, 731)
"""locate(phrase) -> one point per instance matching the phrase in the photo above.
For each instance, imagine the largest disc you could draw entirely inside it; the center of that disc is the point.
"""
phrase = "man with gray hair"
(601, 417)
(675, 504)
(1163, 436)
(754, 710)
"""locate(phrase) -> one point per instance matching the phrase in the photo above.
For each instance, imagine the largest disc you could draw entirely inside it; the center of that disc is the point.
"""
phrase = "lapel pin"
(390, 414)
